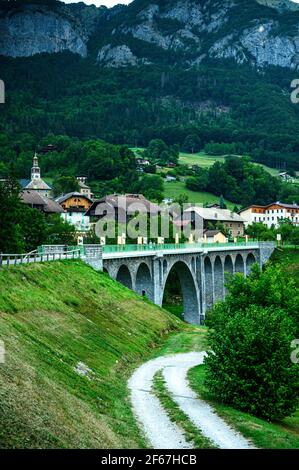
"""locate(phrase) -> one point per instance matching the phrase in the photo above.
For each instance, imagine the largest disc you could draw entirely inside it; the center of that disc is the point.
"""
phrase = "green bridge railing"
(172, 246)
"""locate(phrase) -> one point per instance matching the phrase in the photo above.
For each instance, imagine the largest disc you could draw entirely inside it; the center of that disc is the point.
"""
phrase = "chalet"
(36, 183)
(271, 215)
(121, 208)
(38, 201)
(75, 206)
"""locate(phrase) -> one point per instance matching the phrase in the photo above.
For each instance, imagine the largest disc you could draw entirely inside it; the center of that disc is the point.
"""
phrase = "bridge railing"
(172, 246)
(16, 259)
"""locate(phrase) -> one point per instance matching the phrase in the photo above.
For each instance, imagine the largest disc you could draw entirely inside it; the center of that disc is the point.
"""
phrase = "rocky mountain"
(29, 28)
(184, 32)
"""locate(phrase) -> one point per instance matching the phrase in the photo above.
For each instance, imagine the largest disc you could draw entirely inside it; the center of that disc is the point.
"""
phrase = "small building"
(214, 236)
(75, 206)
(38, 201)
(142, 162)
(284, 176)
(169, 178)
(271, 215)
(171, 165)
(36, 183)
(48, 149)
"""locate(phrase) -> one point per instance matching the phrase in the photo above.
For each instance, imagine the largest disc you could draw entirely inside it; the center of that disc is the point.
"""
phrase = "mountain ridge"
(180, 32)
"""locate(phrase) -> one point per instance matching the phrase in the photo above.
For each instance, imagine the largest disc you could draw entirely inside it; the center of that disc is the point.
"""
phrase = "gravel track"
(161, 432)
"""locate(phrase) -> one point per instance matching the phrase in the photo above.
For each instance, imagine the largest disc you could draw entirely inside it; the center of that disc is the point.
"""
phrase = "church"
(36, 183)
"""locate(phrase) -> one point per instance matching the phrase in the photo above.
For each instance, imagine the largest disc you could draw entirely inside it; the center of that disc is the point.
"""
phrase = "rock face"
(183, 32)
(118, 56)
(260, 46)
(260, 32)
(33, 29)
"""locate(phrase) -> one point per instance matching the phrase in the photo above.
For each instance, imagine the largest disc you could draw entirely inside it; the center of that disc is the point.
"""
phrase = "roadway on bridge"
(161, 432)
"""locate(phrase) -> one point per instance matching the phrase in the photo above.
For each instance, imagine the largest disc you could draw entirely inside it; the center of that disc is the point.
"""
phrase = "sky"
(107, 3)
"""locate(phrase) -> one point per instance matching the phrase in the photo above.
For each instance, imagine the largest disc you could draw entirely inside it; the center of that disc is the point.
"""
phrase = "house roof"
(38, 184)
(24, 182)
(65, 197)
(215, 214)
(212, 233)
(114, 200)
(83, 185)
(278, 203)
(33, 198)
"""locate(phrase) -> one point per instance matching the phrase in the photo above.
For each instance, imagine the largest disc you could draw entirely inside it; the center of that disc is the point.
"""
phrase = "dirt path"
(160, 431)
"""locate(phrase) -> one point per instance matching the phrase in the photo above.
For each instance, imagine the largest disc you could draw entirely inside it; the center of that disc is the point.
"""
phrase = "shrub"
(249, 365)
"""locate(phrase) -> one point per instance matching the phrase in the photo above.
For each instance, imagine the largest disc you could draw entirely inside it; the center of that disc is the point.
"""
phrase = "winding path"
(161, 432)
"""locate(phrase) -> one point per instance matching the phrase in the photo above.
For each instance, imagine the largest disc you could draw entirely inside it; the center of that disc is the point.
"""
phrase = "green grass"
(201, 159)
(190, 339)
(192, 434)
(176, 310)
(263, 434)
(206, 161)
(53, 316)
(174, 189)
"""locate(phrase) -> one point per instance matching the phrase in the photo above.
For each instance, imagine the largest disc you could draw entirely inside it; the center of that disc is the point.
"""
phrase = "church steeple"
(35, 170)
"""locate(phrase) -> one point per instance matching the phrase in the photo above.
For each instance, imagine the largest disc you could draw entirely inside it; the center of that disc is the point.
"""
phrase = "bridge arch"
(228, 265)
(144, 282)
(124, 277)
(218, 279)
(189, 291)
(240, 264)
(250, 260)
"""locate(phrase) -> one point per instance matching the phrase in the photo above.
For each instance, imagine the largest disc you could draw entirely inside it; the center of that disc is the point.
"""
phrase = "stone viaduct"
(201, 271)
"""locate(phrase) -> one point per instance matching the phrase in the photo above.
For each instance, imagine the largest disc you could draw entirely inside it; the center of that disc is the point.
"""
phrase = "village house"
(271, 215)
(36, 183)
(121, 207)
(38, 201)
(202, 219)
(75, 206)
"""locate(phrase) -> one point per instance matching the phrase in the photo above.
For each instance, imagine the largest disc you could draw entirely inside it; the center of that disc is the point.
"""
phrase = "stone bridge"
(200, 269)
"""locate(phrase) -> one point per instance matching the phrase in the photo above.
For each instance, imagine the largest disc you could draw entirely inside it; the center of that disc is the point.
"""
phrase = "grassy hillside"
(201, 159)
(52, 318)
(206, 161)
(174, 189)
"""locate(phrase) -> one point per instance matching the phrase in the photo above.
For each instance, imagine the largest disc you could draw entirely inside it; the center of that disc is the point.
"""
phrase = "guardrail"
(8, 260)
(172, 246)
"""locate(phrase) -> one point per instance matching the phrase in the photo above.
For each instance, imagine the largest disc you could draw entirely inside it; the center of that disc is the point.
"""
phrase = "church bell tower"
(35, 170)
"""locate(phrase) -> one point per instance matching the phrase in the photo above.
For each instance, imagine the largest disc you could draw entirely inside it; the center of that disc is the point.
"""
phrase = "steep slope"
(72, 337)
